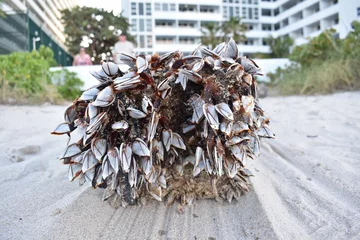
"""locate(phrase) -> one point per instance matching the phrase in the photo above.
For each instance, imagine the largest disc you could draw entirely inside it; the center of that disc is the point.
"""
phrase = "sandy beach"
(306, 183)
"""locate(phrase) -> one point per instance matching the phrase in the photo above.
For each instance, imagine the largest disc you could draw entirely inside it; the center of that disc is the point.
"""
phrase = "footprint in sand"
(19, 154)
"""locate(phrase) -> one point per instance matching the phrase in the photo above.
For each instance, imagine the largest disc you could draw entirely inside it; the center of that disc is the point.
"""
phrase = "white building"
(31, 23)
(165, 25)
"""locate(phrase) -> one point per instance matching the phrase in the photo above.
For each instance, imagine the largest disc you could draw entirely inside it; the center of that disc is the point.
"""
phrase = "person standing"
(122, 46)
(82, 58)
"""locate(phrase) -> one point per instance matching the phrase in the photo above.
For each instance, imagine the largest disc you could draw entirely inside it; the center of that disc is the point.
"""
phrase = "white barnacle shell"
(166, 138)
(248, 103)
(133, 174)
(71, 151)
(224, 110)
(125, 156)
(120, 125)
(98, 147)
(140, 148)
(110, 68)
(211, 115)
(231, 50)
(199, 156)
(141, 64)
(231, 168)
(74, 171)
(239, 152)
(134, 113)
(92, 112)
(113, 157)
(89, 161)
(235, 140)
(106, 168)
(226, 127)
(89, 94)
(105, 98)
(62, 129)
(153, 125)
(146, 105)
(177, 141)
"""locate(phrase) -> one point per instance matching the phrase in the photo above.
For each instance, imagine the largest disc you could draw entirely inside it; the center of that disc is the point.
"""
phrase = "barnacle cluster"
(171, 127)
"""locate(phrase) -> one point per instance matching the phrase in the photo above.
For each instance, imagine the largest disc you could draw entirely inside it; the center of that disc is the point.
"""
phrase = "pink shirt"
(81, 60)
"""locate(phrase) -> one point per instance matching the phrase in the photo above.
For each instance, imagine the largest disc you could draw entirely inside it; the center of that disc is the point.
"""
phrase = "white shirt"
(123, 47)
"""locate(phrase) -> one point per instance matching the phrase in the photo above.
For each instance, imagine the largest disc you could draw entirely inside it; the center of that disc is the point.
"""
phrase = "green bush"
(67, 83)
(25, 78)
(324, 65)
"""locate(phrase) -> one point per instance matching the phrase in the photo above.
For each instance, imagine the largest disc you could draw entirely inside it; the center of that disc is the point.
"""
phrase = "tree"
(96, 27)
(318, 49)
(210, 33)
(235, 29)
(280, 46)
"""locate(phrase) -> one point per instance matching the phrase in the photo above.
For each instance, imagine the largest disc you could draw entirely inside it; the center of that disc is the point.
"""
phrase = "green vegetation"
(280, 46)
(210, 35)
(2, 14)
(234, 28)
(324, 65)
(98, 26)
(214, 33)
(25, 78)
(67, 83)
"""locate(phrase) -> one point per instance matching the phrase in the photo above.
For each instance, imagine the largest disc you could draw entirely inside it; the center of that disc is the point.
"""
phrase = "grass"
(322, 78)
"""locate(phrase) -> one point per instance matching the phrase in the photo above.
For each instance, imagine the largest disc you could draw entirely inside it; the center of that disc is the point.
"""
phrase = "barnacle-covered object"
(172, 127)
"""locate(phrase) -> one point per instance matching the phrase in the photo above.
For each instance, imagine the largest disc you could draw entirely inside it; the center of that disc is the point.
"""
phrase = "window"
(186, 24)
(244, 12)
(231, 11)
(149, 41)
(237, 11)
(250, 13)
(148, 25)
(142, 41)
(276, 11)
(141, 8)
(157, 7)
(266, 27)
(225, 12)
(142, 25)
(133, 25)
(249, 42)
(358, 11)
(148, 9)
(256, 13)
(165, 7)
(186, 40)
(133, 8)
(165, 40)
(277, 26)
(172, 7)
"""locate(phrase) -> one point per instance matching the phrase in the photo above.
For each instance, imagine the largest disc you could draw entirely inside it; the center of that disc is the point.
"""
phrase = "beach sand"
(306, 183)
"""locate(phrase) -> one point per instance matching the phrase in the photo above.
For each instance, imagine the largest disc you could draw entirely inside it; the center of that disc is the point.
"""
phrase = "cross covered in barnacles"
(171, 127)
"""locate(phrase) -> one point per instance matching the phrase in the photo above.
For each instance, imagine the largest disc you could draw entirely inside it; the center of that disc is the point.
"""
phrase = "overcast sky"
(106, 4)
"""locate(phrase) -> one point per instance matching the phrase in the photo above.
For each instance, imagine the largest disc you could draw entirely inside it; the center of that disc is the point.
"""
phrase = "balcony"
(173, 31)
(202, 16)
(171, 47)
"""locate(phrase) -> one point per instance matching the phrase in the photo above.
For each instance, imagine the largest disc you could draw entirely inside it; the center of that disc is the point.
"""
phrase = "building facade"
(164, 25)
(31, 23)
